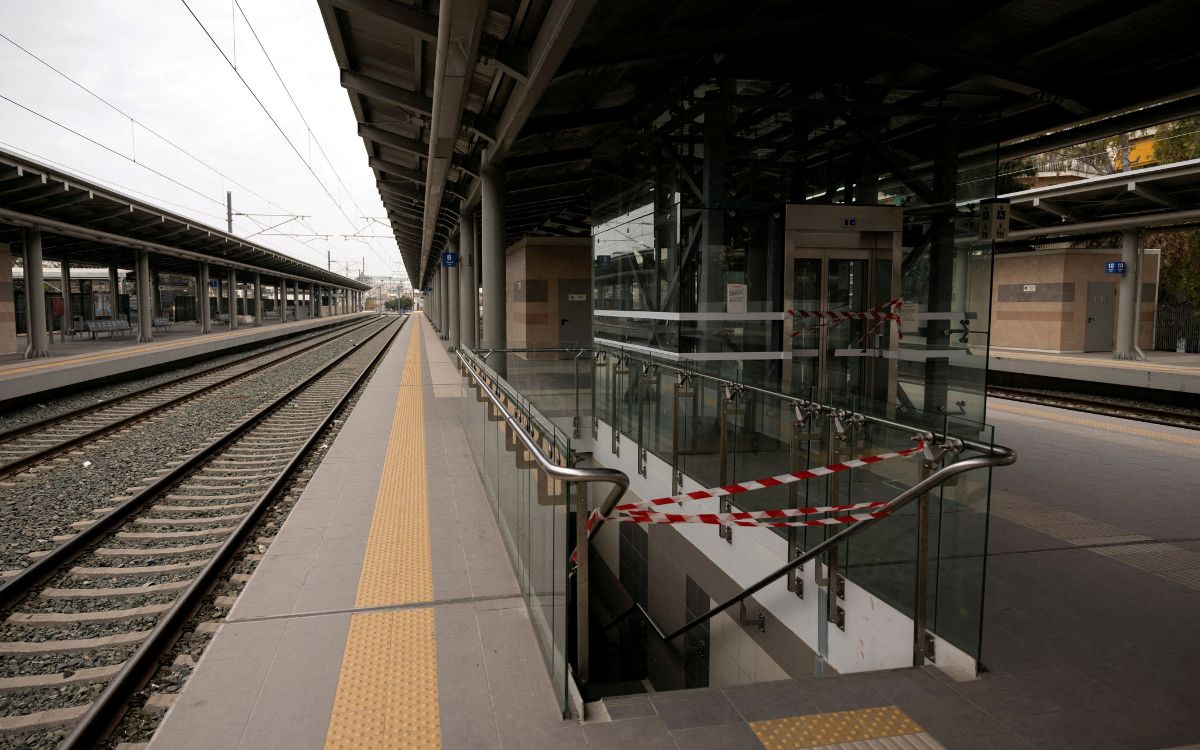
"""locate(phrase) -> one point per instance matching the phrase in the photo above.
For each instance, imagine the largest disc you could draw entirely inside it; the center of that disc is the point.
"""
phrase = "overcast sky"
(153, 61)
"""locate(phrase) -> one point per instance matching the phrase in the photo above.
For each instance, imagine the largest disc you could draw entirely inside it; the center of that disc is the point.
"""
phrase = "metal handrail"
(997, 456)
(567, 474)
(618, 479)
(719, 381)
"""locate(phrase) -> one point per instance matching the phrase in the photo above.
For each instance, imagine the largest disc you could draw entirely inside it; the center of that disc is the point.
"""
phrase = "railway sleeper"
(58, 679)
(80, 571)
(165, 535)
(74, 646)
(71, 618)
(155, 551)
(54, 717)
(187, 521)
(106, 593)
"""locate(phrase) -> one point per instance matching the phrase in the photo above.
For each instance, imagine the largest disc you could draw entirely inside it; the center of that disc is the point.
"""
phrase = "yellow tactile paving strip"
(816, 730)
(397, 567)
(387, 695)
(1169, 437)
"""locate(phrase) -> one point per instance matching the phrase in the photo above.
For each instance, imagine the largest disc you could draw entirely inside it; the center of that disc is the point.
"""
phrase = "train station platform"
(386, 614)
(83, 361)
(1161, 371)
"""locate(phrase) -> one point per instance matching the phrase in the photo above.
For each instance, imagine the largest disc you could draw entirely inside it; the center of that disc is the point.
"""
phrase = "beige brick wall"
(538, 263)
(1033, 321)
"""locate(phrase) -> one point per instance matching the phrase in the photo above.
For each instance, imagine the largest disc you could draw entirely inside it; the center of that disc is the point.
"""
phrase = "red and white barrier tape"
(758, 484)
(784, 516)
(880, 313)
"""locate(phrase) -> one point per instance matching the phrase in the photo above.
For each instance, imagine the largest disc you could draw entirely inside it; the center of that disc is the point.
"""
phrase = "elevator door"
(830, 359)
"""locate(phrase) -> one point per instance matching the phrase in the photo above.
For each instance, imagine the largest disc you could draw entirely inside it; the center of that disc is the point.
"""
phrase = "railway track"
(33, 443)
(88, 622)
(1108, 407)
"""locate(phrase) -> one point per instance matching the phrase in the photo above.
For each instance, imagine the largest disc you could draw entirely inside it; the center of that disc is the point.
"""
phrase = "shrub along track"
(88, 623)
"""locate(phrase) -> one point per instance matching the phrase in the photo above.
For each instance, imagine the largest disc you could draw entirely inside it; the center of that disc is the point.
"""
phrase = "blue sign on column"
(449, 260)
(214, 283)
(1114, 266)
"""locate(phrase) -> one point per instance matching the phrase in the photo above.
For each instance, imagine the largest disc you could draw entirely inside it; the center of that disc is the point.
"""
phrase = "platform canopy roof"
(1164, 196)
(569, 93)
(91, 225)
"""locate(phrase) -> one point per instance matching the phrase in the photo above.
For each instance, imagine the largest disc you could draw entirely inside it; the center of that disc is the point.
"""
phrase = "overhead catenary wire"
(144, 126)
(275, 122)
(267, 112)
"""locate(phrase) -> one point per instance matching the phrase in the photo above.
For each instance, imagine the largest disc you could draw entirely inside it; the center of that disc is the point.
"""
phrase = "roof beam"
(1054, 208)
(1153, 194)
(419, 23)
(393, 140)
(386, 92)
(460, 29)
(396, 170)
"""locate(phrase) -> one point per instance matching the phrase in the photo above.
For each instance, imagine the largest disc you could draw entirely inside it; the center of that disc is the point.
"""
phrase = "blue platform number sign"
(1114, 266)
(449, 260)
(214, 283)
(603, 261)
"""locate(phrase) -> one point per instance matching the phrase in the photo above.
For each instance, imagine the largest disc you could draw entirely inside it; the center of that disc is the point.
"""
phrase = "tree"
(406, 302)
(1180, 275)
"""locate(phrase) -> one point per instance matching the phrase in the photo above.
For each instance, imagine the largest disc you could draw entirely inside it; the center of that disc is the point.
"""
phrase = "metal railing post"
(921, 584)
(643, 376)
(680, 392)
(726, 504)
(581, 583)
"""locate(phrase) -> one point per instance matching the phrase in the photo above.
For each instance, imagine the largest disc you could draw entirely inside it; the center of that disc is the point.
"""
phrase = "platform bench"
(111, 327)
(161, 323)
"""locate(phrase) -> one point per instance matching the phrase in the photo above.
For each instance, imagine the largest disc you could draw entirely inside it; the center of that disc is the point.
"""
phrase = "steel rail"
(30, 576)
(997, 456)
(1081, 403)
(40, 455)
(41, 424)
(110, 705)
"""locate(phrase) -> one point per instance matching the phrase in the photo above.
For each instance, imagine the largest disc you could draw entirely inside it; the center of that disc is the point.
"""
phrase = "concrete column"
(452, 307)
(155, 294)
(145, 298)
(220, 296)
(114, 291)
(233, 299)
(202, 301)
(466, 280)
(443, 302)
(8, 307)
(68, 321)
(258, 305)
(1127, 311)
(493, 258)
(38, 340)
(320, 301)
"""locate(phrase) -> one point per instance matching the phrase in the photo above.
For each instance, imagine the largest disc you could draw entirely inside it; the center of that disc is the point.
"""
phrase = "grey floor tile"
(770, 700)
(567, 737)
(470, 743)
(246, 642)
(641, 734)
(1003, 696)
(1061, 730)
(838, 695)
(683, 709)
(724, 737)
